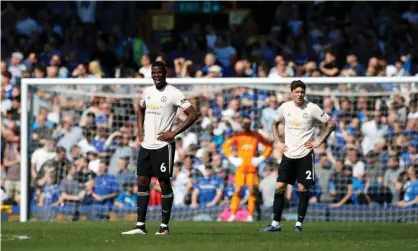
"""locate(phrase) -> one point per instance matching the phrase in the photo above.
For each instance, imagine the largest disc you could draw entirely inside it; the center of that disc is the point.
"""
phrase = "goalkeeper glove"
(236, 161)
(256, 161)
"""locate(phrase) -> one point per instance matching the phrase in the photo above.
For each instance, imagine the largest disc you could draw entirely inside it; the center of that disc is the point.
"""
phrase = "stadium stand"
(374, 148)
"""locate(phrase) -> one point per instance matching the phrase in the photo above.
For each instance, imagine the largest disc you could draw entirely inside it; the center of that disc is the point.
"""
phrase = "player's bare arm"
(190, 119)
(275, 130)
(140, 122)
(328, 128)
(277, 138)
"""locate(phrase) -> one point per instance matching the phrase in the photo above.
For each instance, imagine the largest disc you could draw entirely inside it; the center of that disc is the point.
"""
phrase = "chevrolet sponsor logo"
(153, 107)
(295, 123)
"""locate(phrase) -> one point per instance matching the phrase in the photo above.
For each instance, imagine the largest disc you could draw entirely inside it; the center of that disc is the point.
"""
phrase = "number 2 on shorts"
(163, 168)
(308, 175)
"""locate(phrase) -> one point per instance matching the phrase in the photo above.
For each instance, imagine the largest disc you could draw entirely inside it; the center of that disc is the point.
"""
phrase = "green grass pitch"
(206, 236)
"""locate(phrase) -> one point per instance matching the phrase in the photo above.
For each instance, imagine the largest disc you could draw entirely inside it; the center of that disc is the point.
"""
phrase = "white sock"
(140, 224)
(275, 223)
(298, 224)
(163, 225)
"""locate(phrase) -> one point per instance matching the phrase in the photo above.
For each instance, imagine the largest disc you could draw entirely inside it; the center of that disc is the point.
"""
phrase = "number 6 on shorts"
(163, 168)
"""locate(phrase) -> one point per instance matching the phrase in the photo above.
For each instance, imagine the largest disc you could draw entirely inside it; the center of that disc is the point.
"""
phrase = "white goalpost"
(377, 91)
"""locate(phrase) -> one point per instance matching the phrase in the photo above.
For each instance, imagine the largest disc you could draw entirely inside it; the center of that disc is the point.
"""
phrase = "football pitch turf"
(202, 236)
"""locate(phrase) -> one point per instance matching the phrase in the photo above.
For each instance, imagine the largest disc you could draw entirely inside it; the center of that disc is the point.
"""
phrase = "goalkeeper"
(246, 162)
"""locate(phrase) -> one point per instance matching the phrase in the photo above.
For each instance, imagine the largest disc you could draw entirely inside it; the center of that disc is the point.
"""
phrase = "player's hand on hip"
(282, 147)
(312, 144)
(256, 161)
(166, 135)
(236, 161)
(141, 136)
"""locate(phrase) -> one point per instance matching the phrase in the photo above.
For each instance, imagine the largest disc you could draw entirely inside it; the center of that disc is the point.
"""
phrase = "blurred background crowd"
(83, 147)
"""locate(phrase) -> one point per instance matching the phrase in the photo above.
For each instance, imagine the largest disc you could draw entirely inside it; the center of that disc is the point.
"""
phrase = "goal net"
(82, 145)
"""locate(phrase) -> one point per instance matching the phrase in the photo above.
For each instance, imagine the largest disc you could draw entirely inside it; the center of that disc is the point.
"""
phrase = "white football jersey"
(299, 126)
(161, 108)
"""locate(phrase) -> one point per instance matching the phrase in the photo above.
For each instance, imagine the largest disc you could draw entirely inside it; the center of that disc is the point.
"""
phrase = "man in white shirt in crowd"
(373, 130)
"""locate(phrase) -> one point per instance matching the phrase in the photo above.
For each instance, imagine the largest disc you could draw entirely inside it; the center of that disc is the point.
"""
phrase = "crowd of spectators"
(83, 149)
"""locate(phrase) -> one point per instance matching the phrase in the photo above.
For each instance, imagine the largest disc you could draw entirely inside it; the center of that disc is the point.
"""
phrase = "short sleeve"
(142, 100)
(319, 114)
(279, 114)
(180, 100)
